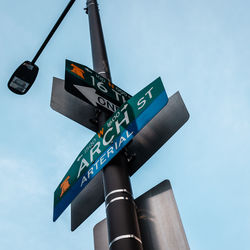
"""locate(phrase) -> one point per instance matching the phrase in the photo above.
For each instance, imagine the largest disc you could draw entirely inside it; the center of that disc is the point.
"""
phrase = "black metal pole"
(64, 13)
(122, 221)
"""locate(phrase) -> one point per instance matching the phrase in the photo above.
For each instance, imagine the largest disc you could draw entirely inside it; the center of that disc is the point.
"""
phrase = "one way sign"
(93, 88)
(95, 99)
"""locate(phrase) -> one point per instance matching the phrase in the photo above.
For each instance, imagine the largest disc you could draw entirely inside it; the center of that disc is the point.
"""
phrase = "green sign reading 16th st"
(93, 88)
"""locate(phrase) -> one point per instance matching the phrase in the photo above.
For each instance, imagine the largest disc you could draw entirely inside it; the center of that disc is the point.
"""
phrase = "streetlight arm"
(64, 13)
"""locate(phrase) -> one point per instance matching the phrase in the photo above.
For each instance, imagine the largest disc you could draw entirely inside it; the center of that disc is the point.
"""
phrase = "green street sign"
(119, 129)
(93, 88)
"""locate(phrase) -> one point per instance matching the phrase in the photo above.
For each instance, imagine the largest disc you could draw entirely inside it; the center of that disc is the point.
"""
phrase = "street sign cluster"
(149, 118)
(119, 129)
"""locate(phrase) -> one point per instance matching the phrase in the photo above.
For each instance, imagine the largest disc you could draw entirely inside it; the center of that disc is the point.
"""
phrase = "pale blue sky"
(200, 48)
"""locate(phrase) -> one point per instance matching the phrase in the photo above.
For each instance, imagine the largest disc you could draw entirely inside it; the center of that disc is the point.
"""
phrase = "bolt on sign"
(119, 129)
(93, 88)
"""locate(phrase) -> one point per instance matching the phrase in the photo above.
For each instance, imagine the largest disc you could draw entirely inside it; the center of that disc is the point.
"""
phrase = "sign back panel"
(160, 225)
(72, 107)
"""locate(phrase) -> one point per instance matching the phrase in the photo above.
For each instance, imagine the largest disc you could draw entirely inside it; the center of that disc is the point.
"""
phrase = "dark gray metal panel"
(159, 218)
(71, 106)
(160, 223)
(158, 131)
(101, 236)
(88, 201)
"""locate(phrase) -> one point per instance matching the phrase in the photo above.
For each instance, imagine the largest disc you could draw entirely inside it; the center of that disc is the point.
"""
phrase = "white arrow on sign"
(90, 94)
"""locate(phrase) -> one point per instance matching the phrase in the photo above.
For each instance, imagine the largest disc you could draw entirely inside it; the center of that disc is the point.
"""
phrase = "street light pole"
(58, 22)
(122, 221)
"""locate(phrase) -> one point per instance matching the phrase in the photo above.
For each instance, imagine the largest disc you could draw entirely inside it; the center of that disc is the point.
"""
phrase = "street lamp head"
(23, 78)
(25, 75)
